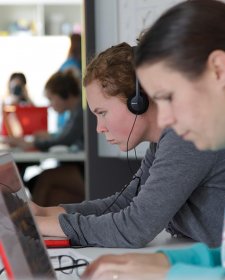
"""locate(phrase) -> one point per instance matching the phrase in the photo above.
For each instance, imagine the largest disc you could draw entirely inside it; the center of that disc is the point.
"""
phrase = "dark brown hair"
(64, 84)
(20, 76)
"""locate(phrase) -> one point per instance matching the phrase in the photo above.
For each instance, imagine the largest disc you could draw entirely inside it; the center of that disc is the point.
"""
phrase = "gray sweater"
(182, 190)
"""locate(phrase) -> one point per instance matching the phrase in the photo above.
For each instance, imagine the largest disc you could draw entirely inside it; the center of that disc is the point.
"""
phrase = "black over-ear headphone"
(137, 103)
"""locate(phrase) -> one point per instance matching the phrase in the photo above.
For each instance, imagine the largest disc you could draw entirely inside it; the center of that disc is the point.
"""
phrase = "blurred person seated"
(17, 90)
(66, 180)
(64, 93)
(17, 94)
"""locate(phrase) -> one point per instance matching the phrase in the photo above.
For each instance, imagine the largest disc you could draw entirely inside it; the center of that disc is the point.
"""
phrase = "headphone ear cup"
(138, 104)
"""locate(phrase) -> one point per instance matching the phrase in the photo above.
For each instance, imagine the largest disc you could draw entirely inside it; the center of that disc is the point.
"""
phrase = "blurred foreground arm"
(196, 262)
(47, 219)
(45, 211)
(128, 266)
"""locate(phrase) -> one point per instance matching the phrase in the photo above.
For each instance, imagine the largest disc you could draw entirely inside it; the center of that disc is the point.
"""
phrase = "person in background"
(188, 183)
(64, 93)
(17, 95)
(73, 63)
(181, 64)
(66, 181)
(73, 60)
(17, 90)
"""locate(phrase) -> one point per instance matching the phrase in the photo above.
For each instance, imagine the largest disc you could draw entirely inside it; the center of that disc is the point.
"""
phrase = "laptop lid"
(21, 246)
(21, 120)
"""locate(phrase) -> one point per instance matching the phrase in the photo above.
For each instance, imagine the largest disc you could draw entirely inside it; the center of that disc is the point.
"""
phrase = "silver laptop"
(22, 250)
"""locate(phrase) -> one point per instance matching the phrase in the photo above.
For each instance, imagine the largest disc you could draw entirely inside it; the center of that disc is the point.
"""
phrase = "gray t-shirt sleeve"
(167, 183)
(122, 199)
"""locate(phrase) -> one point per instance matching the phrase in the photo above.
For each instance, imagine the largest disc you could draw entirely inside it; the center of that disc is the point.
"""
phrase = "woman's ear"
(216, 63)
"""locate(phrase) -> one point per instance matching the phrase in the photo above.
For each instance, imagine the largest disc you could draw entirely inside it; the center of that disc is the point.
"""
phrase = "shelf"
(43, 17)
(39, 2)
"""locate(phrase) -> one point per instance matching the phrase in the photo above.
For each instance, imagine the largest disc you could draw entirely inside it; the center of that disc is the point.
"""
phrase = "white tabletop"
(33, 156)
(21, 156)
(163, 240)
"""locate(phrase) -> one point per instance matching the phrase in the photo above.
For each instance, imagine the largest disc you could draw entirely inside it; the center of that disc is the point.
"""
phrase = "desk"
(163, 240)
(21, 156)
(35, 156)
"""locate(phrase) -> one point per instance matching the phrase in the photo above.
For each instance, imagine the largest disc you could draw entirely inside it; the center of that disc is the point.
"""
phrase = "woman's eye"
(102, 114)
(168, 98)
(164, 97)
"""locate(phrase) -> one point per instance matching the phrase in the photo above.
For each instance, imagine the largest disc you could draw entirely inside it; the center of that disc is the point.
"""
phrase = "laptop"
(22, 120)
(22, 250)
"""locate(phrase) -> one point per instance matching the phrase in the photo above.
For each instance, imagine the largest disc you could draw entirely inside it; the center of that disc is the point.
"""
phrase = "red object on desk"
(57, 243)
(24, 120)
(6, 263)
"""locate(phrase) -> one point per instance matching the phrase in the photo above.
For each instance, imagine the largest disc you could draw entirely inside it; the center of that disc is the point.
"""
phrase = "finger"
(101, 263)
(104, 269)
(103, 260)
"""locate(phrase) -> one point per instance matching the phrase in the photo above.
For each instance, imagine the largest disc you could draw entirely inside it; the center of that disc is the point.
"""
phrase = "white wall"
(37, 57)
(136, 15)
(106, 23)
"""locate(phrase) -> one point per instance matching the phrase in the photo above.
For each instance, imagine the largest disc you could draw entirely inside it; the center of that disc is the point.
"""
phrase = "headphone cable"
(128, 139)
(128, 161)
(131, 171)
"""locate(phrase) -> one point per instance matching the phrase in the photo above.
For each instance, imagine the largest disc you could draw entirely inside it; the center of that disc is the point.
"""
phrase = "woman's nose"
(101, 128)
(165, 117)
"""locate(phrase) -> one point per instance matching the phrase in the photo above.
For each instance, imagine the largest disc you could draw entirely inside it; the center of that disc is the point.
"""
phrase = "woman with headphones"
(181, 64)
(173, 187)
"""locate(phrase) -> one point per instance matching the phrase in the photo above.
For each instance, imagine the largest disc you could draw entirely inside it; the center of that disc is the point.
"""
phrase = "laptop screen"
(21, 246)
